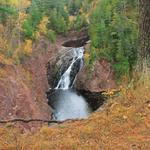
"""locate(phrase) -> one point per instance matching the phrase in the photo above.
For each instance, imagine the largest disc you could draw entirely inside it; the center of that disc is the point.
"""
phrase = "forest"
(116, 20)
(116, 67)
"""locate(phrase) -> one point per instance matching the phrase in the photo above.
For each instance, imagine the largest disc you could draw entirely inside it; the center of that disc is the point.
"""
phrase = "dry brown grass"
(122, 124)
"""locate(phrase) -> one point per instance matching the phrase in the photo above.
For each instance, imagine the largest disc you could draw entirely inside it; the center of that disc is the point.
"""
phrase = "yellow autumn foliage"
(3, 44)
(86, 56)
(65, 8)
(28, 47)
(2, 57)
(42, 26)
(36, 34)
(72, 18)
(22, 16)
(81, 10)
(24, 3)
(16, 3)
(5, 60)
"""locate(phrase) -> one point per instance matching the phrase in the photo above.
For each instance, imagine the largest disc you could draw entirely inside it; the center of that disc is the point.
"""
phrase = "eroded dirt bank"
(18, 98)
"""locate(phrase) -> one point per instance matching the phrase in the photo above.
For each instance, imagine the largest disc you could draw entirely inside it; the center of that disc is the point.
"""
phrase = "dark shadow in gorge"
(94, 99)
(76, 42)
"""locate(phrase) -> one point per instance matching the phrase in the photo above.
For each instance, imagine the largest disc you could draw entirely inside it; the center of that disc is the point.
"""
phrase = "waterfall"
(68, 104)
(65, 80)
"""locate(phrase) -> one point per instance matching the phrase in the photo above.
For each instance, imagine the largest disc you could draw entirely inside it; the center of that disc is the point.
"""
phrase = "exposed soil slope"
(123, 124)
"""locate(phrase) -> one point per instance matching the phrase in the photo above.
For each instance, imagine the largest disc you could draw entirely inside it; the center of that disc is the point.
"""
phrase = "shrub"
(51, 36)
(28, 28)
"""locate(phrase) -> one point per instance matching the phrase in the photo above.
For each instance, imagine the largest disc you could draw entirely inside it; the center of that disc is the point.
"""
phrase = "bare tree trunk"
(144, 9)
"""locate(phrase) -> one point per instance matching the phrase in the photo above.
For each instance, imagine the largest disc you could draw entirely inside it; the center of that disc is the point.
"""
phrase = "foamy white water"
(64, 81)
(71, 106)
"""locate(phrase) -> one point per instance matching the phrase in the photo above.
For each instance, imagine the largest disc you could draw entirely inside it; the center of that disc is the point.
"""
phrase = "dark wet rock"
(76, 42)
(94, 99)
(57, 67)
(75, 69)
(2, 65)
(52, 96)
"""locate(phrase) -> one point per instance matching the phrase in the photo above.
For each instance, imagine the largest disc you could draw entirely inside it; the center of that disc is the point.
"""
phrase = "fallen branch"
(30, 120)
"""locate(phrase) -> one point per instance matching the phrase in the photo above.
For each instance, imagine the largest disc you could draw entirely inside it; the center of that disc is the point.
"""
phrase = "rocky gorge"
(28, 83)
(68, 71)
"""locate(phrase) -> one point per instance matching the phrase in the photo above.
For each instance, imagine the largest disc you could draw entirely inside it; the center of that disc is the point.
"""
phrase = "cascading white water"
(64, 81)
(70, 105)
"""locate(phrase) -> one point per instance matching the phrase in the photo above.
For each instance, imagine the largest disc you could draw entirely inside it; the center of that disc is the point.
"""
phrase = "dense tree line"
(24, 21)
(114, 34)
(112, 24)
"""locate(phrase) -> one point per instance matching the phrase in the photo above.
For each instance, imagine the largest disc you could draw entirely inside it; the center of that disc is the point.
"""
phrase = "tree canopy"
(112, 27)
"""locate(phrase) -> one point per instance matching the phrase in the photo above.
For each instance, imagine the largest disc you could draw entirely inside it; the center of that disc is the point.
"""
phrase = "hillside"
(122, 123)
(74, 74)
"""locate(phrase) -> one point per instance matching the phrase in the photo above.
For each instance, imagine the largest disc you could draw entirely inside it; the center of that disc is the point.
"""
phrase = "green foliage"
(74, 6)
(28, 28)
(21, 23)
(31, 23)
(121, 68)
(79, 23)
(9, 53)
(51, 35)
(93, 56)
(57, 22)
(112, 27)
(58, 17)
(113, 31)
(5, 12)
(58, 13)
(86, 5)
